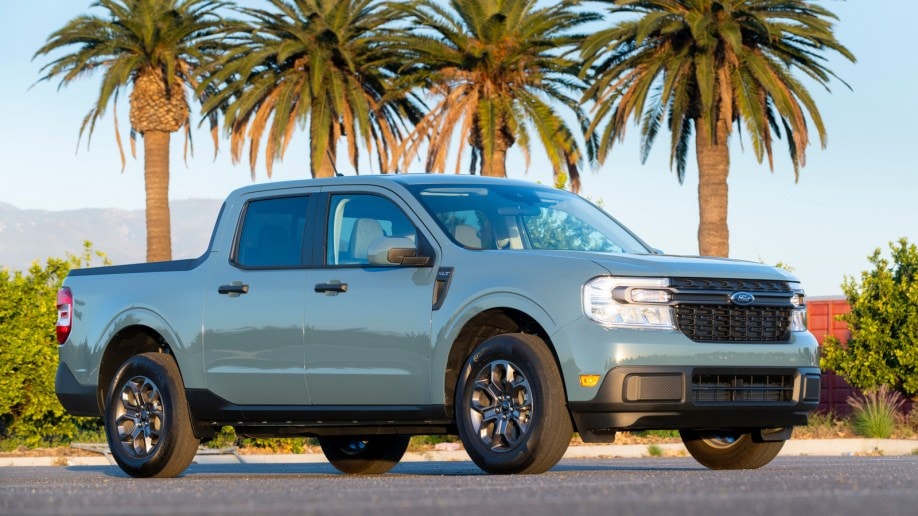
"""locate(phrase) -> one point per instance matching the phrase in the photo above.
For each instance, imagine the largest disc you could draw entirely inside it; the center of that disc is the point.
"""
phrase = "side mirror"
(395, 251)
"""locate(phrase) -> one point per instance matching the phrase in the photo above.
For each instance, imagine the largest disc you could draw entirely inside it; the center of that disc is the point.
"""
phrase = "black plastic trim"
(77, 399)
(609, 409)
(441, 286)
(209, 409)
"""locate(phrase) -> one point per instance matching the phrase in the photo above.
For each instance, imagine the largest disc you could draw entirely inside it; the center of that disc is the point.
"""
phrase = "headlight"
(629, 302)
(798, 312)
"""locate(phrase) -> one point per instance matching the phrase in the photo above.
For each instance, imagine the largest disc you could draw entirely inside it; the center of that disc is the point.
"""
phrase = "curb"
(798, 448)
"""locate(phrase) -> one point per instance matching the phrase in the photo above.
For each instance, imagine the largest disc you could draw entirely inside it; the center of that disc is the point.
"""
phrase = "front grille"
(706, 312)
(742, 388)
(729, 285)
(726, 323)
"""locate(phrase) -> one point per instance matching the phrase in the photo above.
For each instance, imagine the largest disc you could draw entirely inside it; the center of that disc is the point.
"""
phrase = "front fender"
(453, 321)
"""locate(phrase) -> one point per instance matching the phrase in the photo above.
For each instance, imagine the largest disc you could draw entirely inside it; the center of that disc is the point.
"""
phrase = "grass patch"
(654, 450)
(661, 434)
(876, 413)
(824, 425)
(227, 438)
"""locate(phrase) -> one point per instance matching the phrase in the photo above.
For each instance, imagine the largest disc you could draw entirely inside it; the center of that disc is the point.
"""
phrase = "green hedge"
(883, 349)
(30, 413)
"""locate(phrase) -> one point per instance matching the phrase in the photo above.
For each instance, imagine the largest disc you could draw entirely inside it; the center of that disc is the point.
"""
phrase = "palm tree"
(315, 62)
(702, 66)
(498, 70)
(152, 48)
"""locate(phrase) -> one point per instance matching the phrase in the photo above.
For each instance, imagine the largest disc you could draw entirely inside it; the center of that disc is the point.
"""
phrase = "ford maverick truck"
(364, 310)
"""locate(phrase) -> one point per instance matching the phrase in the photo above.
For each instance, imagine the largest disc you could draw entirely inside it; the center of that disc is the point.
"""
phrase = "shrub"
(30, 413)
(876, 413)
(883, 348)
(654, 450)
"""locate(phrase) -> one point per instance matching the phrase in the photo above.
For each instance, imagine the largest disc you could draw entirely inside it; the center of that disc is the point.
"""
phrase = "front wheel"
(729, 449)
(371, 455)
(510, 406)
(147, 419)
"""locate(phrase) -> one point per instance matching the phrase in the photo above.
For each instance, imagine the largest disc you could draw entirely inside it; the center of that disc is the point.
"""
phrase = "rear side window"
(272, 233)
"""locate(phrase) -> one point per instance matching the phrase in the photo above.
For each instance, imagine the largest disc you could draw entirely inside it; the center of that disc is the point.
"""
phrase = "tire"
(147, 419)
(372, 455)
(510, 406)
(729, 449)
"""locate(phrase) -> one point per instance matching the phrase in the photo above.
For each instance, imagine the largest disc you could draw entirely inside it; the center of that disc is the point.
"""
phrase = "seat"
(467, 236)
(365, 230)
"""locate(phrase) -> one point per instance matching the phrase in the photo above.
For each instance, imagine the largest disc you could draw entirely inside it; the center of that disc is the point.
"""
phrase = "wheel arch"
(132, 333)
(480, 326)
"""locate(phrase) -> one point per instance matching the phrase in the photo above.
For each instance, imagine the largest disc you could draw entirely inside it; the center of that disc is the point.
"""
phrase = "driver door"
(368, 336)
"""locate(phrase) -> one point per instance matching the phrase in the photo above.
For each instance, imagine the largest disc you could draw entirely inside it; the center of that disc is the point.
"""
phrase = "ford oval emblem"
(742, 298)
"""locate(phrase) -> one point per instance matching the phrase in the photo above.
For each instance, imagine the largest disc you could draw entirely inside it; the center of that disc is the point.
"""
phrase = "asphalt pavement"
(836, 486)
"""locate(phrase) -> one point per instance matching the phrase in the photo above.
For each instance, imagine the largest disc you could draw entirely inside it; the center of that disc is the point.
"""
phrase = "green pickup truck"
(364, 310)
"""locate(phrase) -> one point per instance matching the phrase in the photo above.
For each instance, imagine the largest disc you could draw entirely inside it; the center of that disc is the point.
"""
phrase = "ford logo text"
(742, 298)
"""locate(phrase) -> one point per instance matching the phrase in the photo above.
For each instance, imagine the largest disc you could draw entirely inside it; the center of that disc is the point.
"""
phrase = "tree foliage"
(500, 76)
(883, 348)
(702, 68)
(154, 49)
(314, 65)
(29, 410)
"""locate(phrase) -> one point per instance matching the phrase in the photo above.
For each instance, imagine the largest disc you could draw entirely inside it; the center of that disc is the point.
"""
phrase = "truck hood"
(688, 267)
(657, 266)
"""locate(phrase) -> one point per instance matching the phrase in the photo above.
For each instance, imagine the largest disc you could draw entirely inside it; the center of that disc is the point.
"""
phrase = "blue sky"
(858, 194)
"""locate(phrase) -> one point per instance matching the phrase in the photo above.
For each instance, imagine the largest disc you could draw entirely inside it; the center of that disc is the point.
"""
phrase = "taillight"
(64, 314)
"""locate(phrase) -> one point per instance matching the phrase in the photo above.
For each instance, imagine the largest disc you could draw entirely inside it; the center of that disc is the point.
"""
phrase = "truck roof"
(387, 179)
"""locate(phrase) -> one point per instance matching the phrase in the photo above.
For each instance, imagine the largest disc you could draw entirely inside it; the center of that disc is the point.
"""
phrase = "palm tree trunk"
(494, 165)
(326, 166)
(713, 156)
(156, 177)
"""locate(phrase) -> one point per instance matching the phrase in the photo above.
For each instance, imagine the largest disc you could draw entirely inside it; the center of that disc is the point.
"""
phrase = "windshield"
(514, 218)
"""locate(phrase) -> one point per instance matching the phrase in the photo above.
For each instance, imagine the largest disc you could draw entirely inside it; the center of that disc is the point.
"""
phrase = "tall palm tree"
(497, 70)
(315, 62)
(702, 66)
(152, 48)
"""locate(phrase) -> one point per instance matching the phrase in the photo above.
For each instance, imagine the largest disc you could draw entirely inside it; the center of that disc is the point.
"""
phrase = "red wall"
(821, 314)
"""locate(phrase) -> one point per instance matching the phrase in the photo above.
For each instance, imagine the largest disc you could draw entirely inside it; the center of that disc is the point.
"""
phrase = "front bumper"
(667, 397)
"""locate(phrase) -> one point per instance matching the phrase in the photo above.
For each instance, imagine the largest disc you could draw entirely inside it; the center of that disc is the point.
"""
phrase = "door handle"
(336, 288)
(233, 289)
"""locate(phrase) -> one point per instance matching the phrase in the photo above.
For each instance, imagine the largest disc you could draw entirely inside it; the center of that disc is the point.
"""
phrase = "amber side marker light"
(589, 380)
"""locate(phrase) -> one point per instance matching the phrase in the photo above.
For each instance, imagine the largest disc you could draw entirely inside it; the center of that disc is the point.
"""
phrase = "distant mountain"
(29, 235)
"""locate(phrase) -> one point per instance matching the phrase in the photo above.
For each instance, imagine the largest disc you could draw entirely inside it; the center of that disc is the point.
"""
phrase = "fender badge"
(742, 298)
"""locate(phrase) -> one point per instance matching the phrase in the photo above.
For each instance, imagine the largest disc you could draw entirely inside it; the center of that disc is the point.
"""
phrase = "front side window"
(272, 233)
(512, 217)
(356, 220)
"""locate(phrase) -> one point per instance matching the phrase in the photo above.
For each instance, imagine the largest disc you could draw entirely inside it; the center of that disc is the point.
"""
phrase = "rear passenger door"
(254, 308)
(368, 336)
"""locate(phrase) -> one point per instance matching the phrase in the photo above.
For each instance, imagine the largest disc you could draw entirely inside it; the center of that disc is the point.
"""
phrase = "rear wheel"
(729, 449)
(510, 406)
(372, 455)
(147, 420)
